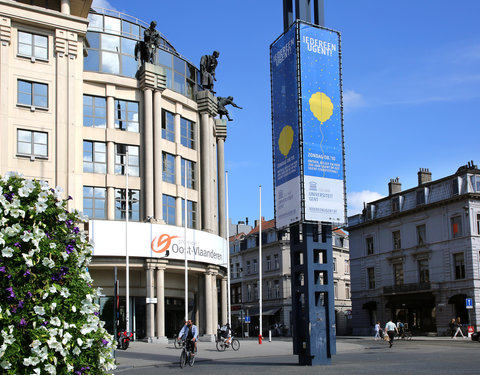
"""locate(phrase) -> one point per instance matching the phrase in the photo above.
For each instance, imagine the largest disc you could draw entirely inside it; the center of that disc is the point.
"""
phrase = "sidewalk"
(141, 354)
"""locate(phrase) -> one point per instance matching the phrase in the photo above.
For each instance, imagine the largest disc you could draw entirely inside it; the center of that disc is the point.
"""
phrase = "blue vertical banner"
(285, 129)
(323, 166)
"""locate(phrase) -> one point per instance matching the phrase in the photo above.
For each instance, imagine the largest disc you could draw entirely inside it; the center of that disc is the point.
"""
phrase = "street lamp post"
(127, 265)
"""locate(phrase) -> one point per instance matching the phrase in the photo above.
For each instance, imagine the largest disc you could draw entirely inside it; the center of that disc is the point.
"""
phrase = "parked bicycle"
(188, 355)
(222, 344)
(404, 335)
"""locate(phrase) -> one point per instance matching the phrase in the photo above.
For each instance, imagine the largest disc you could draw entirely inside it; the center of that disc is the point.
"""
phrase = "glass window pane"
(24, 49)
(87, 167)
(24, 148)
(164, 58)
(94, 40)
(179, 65)
(24, 136)
(129, 66)
(41, 53)
(40, 150)
(91, 62)
(24, 99)
(112, 25)
(110, 63)
(179, 83)
(87, 191)
(24, 37)
(95, 22)
(40, 41)
(128, 46)
(110, 43)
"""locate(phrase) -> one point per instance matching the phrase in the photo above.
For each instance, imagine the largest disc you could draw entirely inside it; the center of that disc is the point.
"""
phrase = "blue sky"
(411, 80)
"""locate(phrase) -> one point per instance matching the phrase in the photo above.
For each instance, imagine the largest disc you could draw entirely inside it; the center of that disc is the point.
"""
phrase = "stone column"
(152, 79)
(161, 303)
(157, 154)
(148, 142)
(214, 300)
(207, 106)
(208, 304)
(221, 131)
(224, 301)
(150, 306)
(65, 6)
(5, 39)
(110, 203)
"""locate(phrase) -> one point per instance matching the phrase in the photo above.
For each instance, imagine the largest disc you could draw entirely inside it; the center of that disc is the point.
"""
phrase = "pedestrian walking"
(459, 328)
(377, 331)
(391, 329)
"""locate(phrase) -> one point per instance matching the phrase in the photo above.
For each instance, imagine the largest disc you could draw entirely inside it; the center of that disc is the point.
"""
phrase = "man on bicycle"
(189, 334)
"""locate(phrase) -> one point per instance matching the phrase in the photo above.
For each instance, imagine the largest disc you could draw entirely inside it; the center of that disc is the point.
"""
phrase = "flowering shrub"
(48, 316)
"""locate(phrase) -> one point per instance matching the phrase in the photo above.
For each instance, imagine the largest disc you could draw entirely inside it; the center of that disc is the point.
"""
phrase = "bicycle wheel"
(221, 346)
(177, 343)
(191, 359)
(235, 344)
(183, 359)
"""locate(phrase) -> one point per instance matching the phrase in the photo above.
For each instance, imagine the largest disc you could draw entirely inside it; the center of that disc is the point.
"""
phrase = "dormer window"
(395, 204)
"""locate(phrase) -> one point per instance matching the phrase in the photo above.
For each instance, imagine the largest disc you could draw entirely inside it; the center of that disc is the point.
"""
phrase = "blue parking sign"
(247, 319)
(469, 303)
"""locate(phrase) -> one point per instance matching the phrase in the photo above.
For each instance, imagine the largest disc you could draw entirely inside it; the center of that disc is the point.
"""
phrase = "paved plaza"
(355, 355)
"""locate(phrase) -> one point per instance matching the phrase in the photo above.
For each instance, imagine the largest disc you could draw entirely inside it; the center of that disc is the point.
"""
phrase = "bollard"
(260, 339)
(269, 335)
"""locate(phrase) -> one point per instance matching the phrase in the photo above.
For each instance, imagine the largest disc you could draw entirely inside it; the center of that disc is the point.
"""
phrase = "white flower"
(53, 306)
(2, 241)
(42, 197)
(28, 260)
(7, 252)
(26, 236)
(36, 371)
(24, 192)
(5, 364)
(77, 350)
(50, 369)
(52, 290)
(30, 361)
(65, 293)
(62, 216)
(40, 207)
(79, 341)
(74, 309)
(44, 185)
(39, 310)
(55, 321)
(53, 245)
(47, 262)
(66, 338)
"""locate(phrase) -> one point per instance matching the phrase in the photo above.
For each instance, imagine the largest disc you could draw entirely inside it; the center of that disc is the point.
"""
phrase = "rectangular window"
(398, 273)
(423, 272)
(32, 94)
(94, 157)
(94, 112)
(191, 214)
(421, 234)
(248, 267)
(335, 289)
(397, 243)
(456, 222)
(455, 187)
(277, 289)
(478, 223)
(126, 116)
(395, 204)
(269, 289)
(121, 159)
(334, 264)
(369, 245)
(94, 202)
(32, 46)
(371, 277)
(420, 197)
(255, 291)
(168, 172)
(191, 174)
(347, 290)
(249, 292)
(133, 204)
(269, 263)
(459, 263)
(168, 203)
(276, 261)
(187, 133)
(255, 266)
(32, 143)
(347, 266)
(168, 126)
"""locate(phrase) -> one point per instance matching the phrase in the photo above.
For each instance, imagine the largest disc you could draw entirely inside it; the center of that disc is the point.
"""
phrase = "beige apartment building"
(78, 110)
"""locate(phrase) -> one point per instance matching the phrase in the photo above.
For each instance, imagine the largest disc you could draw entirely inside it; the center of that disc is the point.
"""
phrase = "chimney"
(246, 221)
(424, 176)
(394, 186)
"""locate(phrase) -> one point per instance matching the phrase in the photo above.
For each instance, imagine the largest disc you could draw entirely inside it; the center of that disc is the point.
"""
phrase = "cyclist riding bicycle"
(226, 333)
(189, 334)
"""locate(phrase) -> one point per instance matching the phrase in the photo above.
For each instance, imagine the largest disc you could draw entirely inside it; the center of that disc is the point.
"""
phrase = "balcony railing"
(402, 288)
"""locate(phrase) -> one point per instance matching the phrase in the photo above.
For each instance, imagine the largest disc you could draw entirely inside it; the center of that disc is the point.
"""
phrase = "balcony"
(405, 288)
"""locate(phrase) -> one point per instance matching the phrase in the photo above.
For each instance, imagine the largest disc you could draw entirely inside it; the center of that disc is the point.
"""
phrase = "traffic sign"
(247, 319)
(469, 303)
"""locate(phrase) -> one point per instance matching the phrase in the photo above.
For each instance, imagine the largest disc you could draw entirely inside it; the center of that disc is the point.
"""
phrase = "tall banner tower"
(309, 173)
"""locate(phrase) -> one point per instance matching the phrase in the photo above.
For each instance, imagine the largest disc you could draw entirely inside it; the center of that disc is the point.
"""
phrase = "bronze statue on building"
(222, 102)
(208, 64)
(146, 50)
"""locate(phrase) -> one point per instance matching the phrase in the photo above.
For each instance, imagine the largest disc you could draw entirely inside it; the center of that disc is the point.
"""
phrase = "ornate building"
(415, 254)
(78, 110)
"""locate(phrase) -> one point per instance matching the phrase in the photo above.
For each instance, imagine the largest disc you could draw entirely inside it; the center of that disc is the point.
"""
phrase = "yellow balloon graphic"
(285, 140)
(321, 106)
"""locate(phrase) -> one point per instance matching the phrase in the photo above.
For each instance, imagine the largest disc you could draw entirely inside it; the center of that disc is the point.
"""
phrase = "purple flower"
(9, 276)
(17, 244)
(12, 293)
(14, 309)
(20, 304)
(104, 342)
(96, 313)
(45, 323)
(23, 322)
(28, 295)
(27, 273)
(69, 198)
(9, 196)
(69, 223)
(69, 249)
(2, 269)
(76, 230)
(48, 235)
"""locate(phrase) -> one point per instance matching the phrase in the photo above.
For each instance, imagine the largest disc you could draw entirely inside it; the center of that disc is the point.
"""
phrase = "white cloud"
(356, 199)
(103, 4)
(352, 100)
